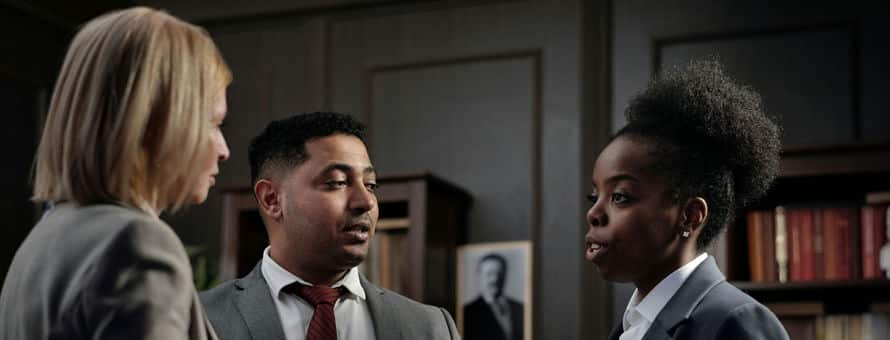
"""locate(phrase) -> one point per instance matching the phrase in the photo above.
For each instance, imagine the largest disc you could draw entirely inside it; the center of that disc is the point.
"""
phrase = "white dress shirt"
(639, 315)
(350, 312)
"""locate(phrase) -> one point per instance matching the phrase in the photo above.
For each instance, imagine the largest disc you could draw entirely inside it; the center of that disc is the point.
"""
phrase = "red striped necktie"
(322, 326)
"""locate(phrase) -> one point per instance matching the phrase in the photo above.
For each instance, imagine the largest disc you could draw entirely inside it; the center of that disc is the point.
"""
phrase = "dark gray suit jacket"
(101, 272)
(707, 307)
(243, 309)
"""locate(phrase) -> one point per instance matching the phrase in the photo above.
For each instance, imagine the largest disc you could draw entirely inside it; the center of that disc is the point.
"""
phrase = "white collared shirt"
(351, 311)
(639, 315)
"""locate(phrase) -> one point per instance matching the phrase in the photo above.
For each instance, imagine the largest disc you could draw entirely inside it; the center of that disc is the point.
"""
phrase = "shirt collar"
(655, 301)
(278, 278)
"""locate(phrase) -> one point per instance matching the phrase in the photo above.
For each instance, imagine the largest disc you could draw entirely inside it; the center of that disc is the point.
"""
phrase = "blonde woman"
(132, 130)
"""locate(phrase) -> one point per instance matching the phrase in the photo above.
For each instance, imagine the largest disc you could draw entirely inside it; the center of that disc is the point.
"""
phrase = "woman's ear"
(269, 199)
(693, 216)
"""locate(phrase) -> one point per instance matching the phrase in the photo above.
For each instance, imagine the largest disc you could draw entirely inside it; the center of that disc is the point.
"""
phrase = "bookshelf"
(832, 297)
(818, 181)
(821, 297)
(422, 221)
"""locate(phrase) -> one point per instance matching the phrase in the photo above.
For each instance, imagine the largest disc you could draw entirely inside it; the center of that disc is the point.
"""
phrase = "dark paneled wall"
(486, 94)
(35, 35)
(29, 58)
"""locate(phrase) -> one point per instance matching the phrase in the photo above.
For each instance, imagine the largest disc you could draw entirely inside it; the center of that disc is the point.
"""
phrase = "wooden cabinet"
(816, 179)
(422, 221)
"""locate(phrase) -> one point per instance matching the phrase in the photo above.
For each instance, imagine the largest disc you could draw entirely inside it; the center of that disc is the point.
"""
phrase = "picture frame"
(494, 290)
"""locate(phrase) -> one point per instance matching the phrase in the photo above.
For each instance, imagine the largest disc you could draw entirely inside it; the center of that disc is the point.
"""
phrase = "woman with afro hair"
(697, 147)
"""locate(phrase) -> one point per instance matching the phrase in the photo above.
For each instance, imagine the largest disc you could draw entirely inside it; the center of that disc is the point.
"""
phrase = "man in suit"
(314, 184)
(493, 315)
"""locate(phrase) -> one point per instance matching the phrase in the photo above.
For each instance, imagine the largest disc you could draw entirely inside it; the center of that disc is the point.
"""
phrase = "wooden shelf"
(856, 296)
(835, 160)
(814, 285)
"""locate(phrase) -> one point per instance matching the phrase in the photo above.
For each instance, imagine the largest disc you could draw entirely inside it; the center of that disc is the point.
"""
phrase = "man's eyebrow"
(369, 170)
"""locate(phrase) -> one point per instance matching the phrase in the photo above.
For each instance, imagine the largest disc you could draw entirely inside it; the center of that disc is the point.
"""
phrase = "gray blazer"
(243, 309)
(101, 272)
(707, 307)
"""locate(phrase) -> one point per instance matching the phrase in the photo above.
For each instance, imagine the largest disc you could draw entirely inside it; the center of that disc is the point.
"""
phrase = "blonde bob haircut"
(129, 118)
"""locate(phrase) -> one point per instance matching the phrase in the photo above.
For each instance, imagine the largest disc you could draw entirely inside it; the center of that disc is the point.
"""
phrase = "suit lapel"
(658, 332)
(254, 301)
(385, 325)
(616, 332)
(681, 306)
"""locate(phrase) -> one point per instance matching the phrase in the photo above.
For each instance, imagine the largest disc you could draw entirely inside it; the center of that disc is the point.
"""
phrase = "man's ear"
(694, 215)
(269, 198)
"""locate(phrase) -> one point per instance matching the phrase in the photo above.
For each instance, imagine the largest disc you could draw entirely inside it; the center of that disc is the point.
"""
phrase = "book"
(781, 246)
(855, 244)
(805, 218)
(875, 326)
(873, 238)
(848, 228)
(818, 246)
(854, 327)
(755, 246)
(799, 224)
(841, 234)
(830, 234)
(768, 221)
(792, 227)
(834, 327)
(820, 329)
(866, 326)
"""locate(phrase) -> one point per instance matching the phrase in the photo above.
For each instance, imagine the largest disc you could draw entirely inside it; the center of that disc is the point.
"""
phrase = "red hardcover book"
(792, 216)
(873, 238)
(755, 246)
(818, 246)
(855, 240)
(768, 234)
(805, 217)
(830, 241)
(848, 264)
(843, 237)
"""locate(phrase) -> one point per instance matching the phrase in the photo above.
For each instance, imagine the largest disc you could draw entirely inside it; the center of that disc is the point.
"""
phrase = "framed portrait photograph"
(494, 291)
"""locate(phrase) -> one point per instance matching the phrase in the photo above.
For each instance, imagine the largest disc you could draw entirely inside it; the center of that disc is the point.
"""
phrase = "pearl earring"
(685, 234)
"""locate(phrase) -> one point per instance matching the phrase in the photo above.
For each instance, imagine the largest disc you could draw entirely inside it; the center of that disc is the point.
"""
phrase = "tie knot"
(319, 295)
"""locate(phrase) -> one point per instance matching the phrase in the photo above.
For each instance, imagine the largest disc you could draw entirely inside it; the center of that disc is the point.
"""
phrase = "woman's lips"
(594, 251)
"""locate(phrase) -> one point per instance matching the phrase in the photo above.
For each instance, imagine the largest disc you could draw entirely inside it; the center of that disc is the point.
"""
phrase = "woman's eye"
(592, 197)
(620, 198)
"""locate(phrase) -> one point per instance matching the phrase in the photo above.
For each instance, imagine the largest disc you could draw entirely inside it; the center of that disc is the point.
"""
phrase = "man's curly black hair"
(282, 144)
(711, 139)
